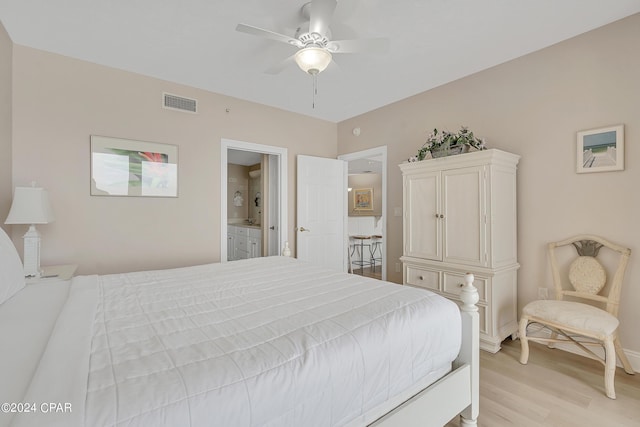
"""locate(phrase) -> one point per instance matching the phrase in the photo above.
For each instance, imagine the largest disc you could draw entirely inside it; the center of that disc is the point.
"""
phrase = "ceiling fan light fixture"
(313, 59)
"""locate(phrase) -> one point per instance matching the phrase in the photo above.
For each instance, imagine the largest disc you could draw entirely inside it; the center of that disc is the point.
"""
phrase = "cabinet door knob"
(421, 277)
(441, 216)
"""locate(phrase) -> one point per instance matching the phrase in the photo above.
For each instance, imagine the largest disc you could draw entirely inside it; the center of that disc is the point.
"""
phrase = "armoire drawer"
(423, 278)
(482, 316)
(453, 284)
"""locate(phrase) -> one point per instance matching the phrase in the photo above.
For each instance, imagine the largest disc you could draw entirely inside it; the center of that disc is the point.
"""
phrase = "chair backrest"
(587, 277)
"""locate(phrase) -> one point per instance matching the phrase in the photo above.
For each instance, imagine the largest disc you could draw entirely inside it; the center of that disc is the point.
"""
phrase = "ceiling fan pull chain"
(315, 90)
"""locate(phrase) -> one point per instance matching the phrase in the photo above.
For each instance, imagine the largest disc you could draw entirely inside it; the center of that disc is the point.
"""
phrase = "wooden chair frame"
(560, 333)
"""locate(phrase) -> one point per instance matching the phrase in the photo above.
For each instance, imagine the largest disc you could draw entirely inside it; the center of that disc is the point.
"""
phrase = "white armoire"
(459, 217)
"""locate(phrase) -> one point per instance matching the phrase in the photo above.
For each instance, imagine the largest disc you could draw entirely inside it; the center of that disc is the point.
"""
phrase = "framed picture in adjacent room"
(600, 150)
(363, 199)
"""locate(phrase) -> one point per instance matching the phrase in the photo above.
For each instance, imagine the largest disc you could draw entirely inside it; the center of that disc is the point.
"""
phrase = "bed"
(264, 342)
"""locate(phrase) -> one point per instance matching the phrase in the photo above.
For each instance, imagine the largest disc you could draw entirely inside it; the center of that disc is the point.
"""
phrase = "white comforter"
(263, 342)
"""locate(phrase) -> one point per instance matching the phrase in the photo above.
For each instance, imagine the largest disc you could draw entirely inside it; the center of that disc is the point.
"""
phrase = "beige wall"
(59, 102)
(254, 188)
(240, 176)
(533, 106)
(6, 62)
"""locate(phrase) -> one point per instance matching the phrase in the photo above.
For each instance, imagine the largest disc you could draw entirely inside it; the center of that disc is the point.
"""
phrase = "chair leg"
(623, 357)
(609, 368)
(524, 341)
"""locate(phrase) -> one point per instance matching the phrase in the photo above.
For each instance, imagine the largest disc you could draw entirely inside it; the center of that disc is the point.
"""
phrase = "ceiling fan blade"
(374, 45)
(277, 68)
(320, 14)
(255, 31)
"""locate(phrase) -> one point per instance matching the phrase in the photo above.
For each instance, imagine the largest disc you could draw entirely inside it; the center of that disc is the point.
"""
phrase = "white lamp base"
(32, 252)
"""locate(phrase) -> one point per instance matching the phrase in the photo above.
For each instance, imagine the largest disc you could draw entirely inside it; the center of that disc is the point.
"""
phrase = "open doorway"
(253, 205)
(367, 211)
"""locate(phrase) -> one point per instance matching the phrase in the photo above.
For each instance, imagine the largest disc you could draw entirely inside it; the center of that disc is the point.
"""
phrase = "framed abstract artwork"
(123, 167)
(363, 199)
(600, 150)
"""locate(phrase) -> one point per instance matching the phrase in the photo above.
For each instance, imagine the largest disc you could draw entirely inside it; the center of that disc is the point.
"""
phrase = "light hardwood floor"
(555, 388)
(376, 273)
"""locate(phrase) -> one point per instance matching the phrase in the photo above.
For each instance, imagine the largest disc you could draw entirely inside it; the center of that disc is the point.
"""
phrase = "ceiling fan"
(315, 47)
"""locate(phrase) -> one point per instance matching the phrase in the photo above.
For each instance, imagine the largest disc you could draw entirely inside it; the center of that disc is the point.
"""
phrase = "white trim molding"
(281, 153)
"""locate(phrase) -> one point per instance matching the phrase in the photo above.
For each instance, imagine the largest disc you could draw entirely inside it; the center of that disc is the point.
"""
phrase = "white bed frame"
(456, 393)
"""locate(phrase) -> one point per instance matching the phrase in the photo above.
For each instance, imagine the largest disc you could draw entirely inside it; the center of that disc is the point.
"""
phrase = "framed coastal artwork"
(363, 199)
(124, 167)
(600, 150)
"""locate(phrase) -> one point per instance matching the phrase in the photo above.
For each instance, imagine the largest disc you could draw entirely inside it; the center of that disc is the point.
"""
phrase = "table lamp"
(30, 206)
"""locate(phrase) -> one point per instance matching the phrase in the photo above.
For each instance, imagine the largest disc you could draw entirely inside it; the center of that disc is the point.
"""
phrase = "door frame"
(281, 154)
(372, 152)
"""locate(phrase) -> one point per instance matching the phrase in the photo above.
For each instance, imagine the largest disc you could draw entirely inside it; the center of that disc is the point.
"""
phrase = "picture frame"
(363, 199)
(128, 168)
(600, 150)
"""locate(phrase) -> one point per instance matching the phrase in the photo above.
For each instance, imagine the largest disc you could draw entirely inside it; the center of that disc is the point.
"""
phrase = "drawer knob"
(460, 285)
(421, 277)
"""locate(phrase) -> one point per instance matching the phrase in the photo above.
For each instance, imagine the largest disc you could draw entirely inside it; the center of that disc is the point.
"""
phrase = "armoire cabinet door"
(422, 210)
(464, 200)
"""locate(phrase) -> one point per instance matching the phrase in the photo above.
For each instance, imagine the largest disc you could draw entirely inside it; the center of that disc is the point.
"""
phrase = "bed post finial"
(469, 294)
(286, 251)
(470, 350)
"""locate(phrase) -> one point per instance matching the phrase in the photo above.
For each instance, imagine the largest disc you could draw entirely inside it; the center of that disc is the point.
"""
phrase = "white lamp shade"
(313, 60)
(30, 206)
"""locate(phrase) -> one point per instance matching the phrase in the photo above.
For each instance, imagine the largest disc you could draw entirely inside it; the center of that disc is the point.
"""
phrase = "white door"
(321, 199)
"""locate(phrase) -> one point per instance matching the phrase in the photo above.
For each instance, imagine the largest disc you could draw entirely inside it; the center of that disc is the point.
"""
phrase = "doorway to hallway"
(367, 211)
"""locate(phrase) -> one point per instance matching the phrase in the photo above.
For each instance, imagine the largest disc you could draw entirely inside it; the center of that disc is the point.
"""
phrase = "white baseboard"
(634, 359)
(633, 356)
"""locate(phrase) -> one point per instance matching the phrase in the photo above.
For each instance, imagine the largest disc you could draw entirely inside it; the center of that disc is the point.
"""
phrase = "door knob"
(304, 229)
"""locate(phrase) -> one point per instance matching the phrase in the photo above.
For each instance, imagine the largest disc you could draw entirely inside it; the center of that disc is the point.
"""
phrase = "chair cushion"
(574, 315)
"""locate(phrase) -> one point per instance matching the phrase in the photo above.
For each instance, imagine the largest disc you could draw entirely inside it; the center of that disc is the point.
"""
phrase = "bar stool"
(360, 248)
(375, 250)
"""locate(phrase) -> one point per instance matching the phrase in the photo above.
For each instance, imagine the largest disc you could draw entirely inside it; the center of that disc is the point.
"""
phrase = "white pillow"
(11, 271)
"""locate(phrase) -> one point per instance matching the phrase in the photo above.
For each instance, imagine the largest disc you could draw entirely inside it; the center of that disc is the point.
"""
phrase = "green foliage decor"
(450, 142)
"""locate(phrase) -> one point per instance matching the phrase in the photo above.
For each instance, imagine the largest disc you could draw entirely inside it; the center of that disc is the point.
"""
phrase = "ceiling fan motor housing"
(313, 39)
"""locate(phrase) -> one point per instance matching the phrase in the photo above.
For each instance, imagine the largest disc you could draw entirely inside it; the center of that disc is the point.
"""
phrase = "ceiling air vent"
(175, 102)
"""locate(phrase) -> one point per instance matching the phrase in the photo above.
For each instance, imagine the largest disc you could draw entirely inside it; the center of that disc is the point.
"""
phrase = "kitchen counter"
(241, 224)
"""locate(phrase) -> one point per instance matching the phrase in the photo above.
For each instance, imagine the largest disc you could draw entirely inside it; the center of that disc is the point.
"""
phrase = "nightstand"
(54, 273)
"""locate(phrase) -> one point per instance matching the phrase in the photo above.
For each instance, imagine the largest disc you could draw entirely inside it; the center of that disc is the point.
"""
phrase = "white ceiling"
(194, 42)
(243, 158)
(369, 165)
